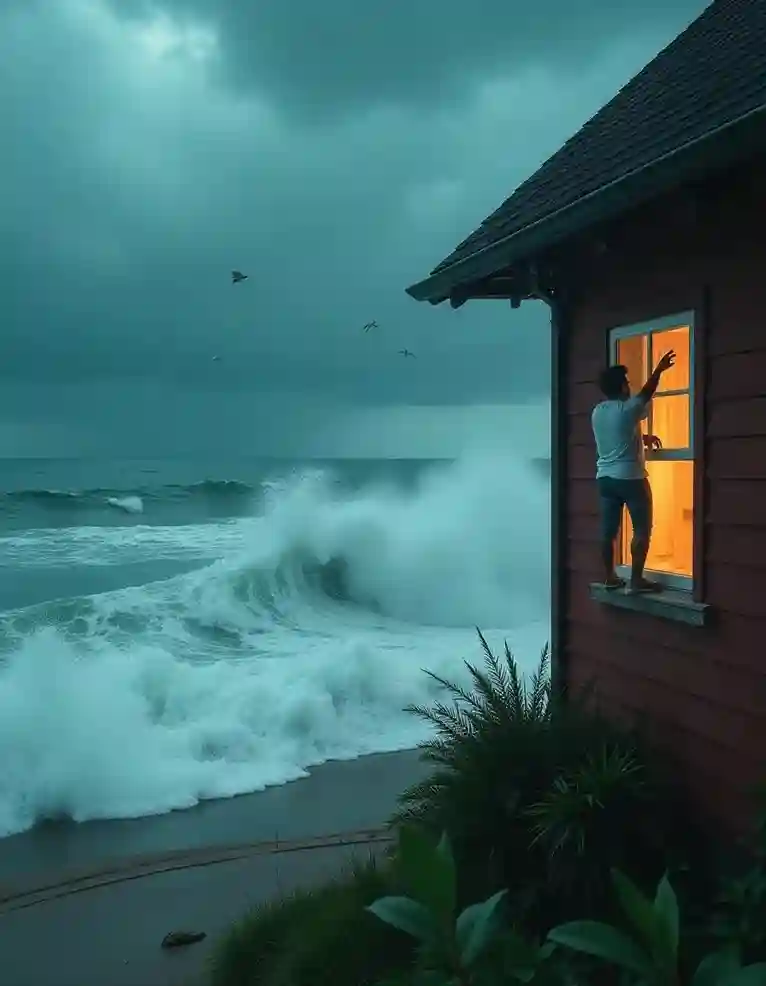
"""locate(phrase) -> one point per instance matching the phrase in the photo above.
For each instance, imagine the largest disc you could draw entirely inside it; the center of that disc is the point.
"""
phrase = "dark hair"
(612, 381)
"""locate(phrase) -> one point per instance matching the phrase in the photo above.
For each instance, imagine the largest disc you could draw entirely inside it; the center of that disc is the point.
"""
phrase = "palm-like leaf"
(571, 812)
(499, 695)
(481, 749)
(523, 782)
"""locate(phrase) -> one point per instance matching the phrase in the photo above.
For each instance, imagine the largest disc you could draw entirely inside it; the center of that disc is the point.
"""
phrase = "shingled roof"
(710, 78)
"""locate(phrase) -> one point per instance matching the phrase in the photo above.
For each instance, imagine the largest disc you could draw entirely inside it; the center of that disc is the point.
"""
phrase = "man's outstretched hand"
(652, 443)
(666, 361)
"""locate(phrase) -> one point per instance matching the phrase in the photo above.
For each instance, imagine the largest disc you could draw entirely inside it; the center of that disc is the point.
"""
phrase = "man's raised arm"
(648, 390)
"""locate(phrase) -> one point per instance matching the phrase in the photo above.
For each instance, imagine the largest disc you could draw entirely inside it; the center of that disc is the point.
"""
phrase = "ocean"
(174, 631)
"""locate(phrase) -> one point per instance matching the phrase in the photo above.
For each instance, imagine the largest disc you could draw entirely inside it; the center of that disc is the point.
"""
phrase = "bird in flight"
(406, 353)
(216, 359)
(237, 276)
(370, 325)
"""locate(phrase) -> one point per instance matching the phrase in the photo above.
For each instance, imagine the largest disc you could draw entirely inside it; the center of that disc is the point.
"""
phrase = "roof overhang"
(738, 140)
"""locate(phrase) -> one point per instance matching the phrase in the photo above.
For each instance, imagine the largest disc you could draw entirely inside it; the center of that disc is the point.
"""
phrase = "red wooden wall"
(703, 687)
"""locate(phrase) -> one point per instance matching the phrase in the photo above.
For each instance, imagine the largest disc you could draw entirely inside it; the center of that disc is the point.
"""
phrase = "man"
(621, 470)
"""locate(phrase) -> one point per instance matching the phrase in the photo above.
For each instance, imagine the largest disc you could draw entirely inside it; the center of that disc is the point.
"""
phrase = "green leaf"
(717, 968)
(667, 923)
(476, 927)
(751, 975)
(407, 915)
(428, 871)
(603, 941)
(520, 958)
(638, 909)
(523, 962)
(449, 875)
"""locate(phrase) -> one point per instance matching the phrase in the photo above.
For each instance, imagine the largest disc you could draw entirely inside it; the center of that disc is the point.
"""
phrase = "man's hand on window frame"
(652, 443)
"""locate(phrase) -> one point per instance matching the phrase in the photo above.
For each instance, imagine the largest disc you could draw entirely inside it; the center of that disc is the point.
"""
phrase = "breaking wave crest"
(299, 638)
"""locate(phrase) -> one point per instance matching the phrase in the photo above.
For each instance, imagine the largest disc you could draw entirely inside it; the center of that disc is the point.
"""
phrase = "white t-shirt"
(618, 438)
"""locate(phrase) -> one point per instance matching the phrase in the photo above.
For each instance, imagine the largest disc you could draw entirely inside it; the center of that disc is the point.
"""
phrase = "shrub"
(542, 797)
(650, 951)
(740, 913)
(245, 953)
(475, 946)
(316, 937)
(478, 948)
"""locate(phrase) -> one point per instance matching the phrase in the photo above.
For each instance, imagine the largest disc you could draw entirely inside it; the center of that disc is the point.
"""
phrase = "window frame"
(616, 335)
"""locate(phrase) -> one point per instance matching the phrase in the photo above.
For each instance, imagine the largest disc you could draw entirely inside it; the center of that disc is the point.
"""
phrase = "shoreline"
(337, 796)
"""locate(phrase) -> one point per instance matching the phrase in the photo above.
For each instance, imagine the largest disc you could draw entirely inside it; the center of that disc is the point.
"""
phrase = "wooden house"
(646, 231)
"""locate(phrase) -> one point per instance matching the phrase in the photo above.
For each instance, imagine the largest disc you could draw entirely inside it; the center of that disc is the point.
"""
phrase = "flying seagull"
(370, 325)
(237, 276)
(406, 353)
(216, 359)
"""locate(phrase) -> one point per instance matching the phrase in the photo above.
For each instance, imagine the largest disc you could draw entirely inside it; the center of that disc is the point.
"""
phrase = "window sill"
(670, 604)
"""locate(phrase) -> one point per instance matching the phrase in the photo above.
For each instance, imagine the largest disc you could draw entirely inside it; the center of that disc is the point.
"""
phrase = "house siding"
(701, 690)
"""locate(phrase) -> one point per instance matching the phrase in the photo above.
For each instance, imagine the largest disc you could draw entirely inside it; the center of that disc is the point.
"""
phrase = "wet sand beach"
(90, 903)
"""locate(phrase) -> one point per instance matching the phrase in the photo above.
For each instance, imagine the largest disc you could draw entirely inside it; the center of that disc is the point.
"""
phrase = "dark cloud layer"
(334, 157)
(320, 59)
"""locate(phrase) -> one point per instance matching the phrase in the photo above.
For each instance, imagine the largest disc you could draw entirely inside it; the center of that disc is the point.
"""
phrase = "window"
(671, 419)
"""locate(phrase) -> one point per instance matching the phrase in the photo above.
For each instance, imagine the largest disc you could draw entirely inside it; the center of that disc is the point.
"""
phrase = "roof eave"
(722, 147)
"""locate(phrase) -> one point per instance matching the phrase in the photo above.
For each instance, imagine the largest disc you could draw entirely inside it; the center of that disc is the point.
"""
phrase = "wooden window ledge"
(670, 604)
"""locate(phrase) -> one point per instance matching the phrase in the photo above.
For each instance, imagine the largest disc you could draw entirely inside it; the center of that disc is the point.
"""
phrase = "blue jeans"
(636, 495)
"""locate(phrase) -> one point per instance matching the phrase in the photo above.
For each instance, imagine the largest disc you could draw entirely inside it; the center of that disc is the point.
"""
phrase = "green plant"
(471, 947)
(650, 952)
(317, 937)
(740, 913)
(538, 796)
(561, 817)
(244, 954)
(596, 815)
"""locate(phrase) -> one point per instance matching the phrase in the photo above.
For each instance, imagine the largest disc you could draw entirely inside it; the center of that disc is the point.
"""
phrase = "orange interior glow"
(669, 420)
(632, 354)
(677, 377)
(672, 481)
(670, 549)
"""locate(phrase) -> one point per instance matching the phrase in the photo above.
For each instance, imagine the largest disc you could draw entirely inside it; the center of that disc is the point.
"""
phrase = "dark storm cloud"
(133, 182)
(320, 59)
(122, 223)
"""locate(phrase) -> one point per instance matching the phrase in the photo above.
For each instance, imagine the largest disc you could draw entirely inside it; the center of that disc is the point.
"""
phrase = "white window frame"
(619, 333)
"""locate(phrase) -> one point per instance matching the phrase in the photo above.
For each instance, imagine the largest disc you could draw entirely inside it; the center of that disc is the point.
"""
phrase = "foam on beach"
(300, 639)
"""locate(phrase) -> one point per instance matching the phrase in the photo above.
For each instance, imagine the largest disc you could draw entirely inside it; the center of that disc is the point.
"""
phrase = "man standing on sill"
(621, 470)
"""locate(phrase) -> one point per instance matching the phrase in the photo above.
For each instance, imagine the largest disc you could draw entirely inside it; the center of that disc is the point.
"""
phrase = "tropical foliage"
(542, 797)
(317, 937)
(477, 948)
(553, 818)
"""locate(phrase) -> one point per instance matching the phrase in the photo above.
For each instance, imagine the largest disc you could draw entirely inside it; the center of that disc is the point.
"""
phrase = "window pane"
(678, 376)
(631, 352)
(670, 420)
(670, 550)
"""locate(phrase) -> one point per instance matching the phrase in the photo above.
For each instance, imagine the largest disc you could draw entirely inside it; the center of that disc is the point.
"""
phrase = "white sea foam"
(245, 672)
(54, 547)
(128, 504)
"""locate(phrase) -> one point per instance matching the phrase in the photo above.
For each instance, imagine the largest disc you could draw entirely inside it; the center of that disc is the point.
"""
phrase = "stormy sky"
(335, 156)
